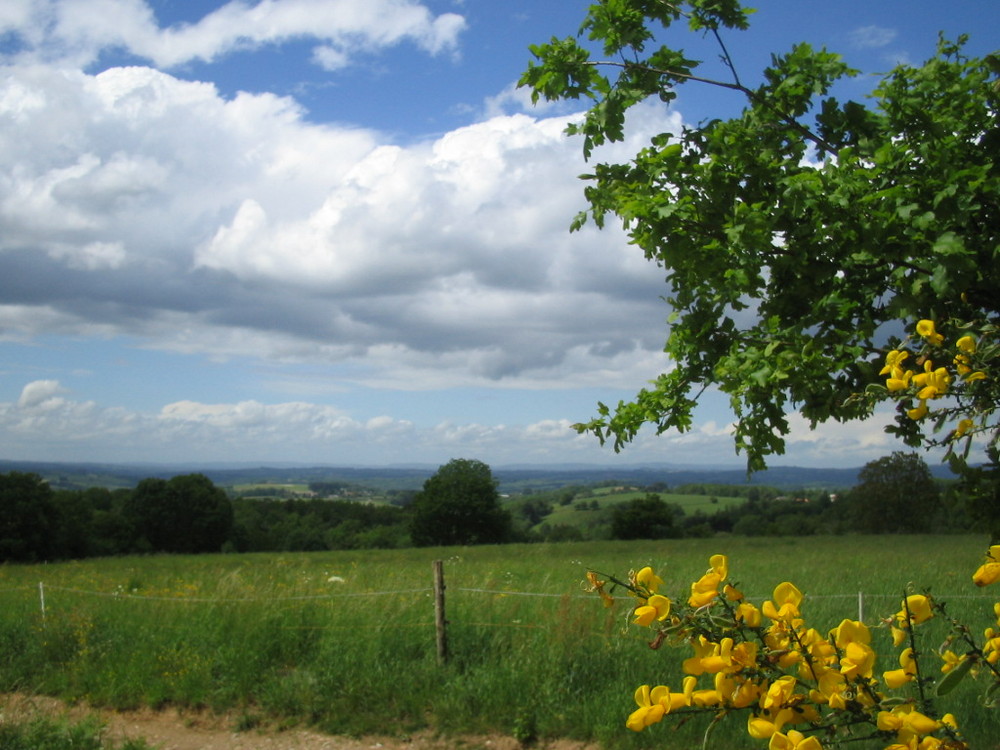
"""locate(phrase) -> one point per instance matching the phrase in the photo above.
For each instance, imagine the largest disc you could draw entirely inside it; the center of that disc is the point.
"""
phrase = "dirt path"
(172, 730)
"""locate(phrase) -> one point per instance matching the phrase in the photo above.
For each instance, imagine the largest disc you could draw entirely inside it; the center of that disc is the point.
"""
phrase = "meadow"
(345, 641)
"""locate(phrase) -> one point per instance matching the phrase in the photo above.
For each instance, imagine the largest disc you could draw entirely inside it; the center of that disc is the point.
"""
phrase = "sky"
(335, 232)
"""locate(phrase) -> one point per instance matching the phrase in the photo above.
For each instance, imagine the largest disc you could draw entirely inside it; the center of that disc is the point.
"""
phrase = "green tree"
(649, 517)
(187, 513)
(798, 235)
(895, 495)
(27, 517)
(459, 505)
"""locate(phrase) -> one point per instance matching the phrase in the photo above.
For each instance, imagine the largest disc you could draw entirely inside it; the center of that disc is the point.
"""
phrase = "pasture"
(345, 641)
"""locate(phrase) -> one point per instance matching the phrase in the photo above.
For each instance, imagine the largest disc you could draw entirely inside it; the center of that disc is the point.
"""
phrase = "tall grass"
(281, 637)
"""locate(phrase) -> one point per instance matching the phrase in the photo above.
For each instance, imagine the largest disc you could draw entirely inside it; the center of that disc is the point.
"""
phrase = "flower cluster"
(937, 370)
(799, 688)
(933, 381)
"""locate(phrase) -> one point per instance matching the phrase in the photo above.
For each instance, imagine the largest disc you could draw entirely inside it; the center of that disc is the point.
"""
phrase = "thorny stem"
(925, 703)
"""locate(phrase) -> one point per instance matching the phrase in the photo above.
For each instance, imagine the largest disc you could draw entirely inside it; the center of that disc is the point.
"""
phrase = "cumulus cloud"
(77, 32)
(133, 202)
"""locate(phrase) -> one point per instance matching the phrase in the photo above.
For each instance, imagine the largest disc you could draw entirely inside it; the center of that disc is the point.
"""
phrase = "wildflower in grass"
(926, 330)
(898, 636)
(916, 609)
(991, 649)
(794, 740)
(598, 585)
(989, 571)
(706, 588)
(748, 614)
(656, 608)
(653, 704)
(951, 660)
(647, 580)
(896, 678)
(908, 723)
(857, 658)
(785, 606)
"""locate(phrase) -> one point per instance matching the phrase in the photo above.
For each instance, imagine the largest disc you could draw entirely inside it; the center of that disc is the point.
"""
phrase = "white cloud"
(40, 394)
(133, 202)
(872, 37)
(47, 418)
(77, 32)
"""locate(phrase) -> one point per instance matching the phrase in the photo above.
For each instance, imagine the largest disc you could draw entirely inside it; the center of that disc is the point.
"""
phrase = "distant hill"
(512, 478)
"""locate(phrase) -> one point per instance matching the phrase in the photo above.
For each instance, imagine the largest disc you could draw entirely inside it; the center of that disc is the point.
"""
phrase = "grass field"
(579, 513)
(345, 640)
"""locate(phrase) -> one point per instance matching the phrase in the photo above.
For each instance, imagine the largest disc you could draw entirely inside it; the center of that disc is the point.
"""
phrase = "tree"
(895, 494)
(798, 236)
(648, 517)
(187, 513)
(459, 505)
(27, 517)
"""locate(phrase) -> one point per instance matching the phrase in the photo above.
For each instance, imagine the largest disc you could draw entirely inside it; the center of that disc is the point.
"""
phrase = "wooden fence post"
(440, 623)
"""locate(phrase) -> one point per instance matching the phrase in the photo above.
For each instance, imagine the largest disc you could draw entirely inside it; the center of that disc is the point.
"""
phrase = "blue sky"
(332, 231)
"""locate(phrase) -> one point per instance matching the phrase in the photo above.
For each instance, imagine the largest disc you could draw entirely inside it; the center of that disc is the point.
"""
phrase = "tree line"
(459, 505)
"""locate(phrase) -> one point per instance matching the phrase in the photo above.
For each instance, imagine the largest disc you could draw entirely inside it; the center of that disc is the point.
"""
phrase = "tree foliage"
(648, 517)
(186, 513)
(895, 494)
(800, 237)
(459, 505)
(27, 517)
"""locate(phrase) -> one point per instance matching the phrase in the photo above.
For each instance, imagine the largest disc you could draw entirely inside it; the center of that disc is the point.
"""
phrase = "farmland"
(344, 641)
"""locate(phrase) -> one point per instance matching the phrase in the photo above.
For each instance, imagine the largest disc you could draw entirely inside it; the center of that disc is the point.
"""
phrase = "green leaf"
(950, 681)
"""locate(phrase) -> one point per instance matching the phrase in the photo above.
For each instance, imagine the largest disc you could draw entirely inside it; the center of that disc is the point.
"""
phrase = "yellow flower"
(653, 705)
(951, 660)
(906, 722)
(918, 413)
(986, 574)
(779, 694)
(966, 344)
(974, 376)
(794, 740)
(963, 365)
(932, 382)
(706, 588)
(785, 606)
(656, 608)
(964, 425)
(925, 328)
(858, 660)
(989, 571)
(748, 614)
(893, 361)
(852, 638)
(898, 677)
(648, 580)
(920, 610)
(598, 585)
(898, 380)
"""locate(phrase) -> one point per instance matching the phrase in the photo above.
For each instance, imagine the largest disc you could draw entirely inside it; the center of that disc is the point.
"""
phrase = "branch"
(737, 86)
